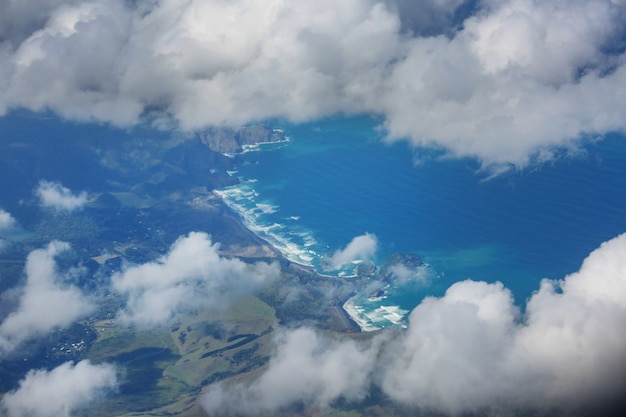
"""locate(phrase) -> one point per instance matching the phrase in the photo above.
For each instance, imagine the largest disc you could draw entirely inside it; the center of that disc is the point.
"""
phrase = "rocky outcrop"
(226, 140)
(366, 269)
(410, 261)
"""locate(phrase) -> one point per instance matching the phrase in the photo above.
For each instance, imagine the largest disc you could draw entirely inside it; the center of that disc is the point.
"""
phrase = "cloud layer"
(59, 392)
(45, 302)
(507, 83)
(57, 197)
(190, 277)
(469, 351)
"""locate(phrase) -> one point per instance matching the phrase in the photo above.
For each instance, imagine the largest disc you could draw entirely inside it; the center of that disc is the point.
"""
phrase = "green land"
(145, 193)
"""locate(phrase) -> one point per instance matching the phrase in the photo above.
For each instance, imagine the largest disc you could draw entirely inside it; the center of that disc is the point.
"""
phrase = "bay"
(338, 178)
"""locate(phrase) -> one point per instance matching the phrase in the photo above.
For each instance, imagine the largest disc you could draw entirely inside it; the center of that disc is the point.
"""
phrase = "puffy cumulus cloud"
(7, 222)
(472, 351)
(520, 77)
(453, 357)
(55, 67)
(54, 195)
(190, 277)
(21, 19)
(307, 368)
(574, 340)
(45, 302)
(506, 84)
(360, 248)
(202, 62)
(568, 350)
(59, 392)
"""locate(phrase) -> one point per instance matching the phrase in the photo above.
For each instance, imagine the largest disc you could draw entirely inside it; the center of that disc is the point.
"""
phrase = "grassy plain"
(162, 370)
(145, 191)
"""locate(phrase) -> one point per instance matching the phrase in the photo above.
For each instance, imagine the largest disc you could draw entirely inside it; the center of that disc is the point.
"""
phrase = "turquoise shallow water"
(336, 179)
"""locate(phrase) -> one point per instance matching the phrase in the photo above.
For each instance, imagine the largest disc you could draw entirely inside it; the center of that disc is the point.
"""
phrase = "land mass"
(226, 140)
(144, 193)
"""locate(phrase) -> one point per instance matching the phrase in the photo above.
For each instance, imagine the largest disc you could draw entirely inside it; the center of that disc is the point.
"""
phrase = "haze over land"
(116, 245)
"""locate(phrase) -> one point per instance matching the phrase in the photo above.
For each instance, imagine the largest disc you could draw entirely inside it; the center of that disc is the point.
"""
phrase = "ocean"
(337, 178)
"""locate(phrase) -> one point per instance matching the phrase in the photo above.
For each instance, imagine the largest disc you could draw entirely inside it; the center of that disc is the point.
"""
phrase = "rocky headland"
(227, 140)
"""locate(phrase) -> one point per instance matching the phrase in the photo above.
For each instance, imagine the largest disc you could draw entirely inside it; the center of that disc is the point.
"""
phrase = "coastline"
(350, 320)
(260, 247)
(285, 250)
(256, 146)
(353, 312)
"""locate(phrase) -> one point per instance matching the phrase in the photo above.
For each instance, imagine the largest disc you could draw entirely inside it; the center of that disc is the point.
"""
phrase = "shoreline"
(257, 146)
(351, 321)
(275, 241)
(258, 241)
(350, 318)
(352, 311)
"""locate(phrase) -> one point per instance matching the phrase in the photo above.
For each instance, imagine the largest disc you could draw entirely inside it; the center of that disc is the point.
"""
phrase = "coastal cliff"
(226, 140)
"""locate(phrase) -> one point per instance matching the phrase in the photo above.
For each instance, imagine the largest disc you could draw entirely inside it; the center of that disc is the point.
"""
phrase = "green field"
(163, 370)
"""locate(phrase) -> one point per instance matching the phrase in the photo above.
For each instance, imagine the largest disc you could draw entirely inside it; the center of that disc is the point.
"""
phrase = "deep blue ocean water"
(336, 179)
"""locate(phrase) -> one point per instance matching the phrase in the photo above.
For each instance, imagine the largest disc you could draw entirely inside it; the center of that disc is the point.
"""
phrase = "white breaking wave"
(299, 246)
(267, 208)
(242, 199)
(370, 319)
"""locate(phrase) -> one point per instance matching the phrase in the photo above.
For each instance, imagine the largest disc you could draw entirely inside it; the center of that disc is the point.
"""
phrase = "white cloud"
(59, 392)
(56, 196)
(404, 274)
(467, 352)
(45, 302)
(360, 248)
(472, 351)
(7, 222)
(522, 77)
(307, 368)
(516, 79)
(451, 358)
(192, 276)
